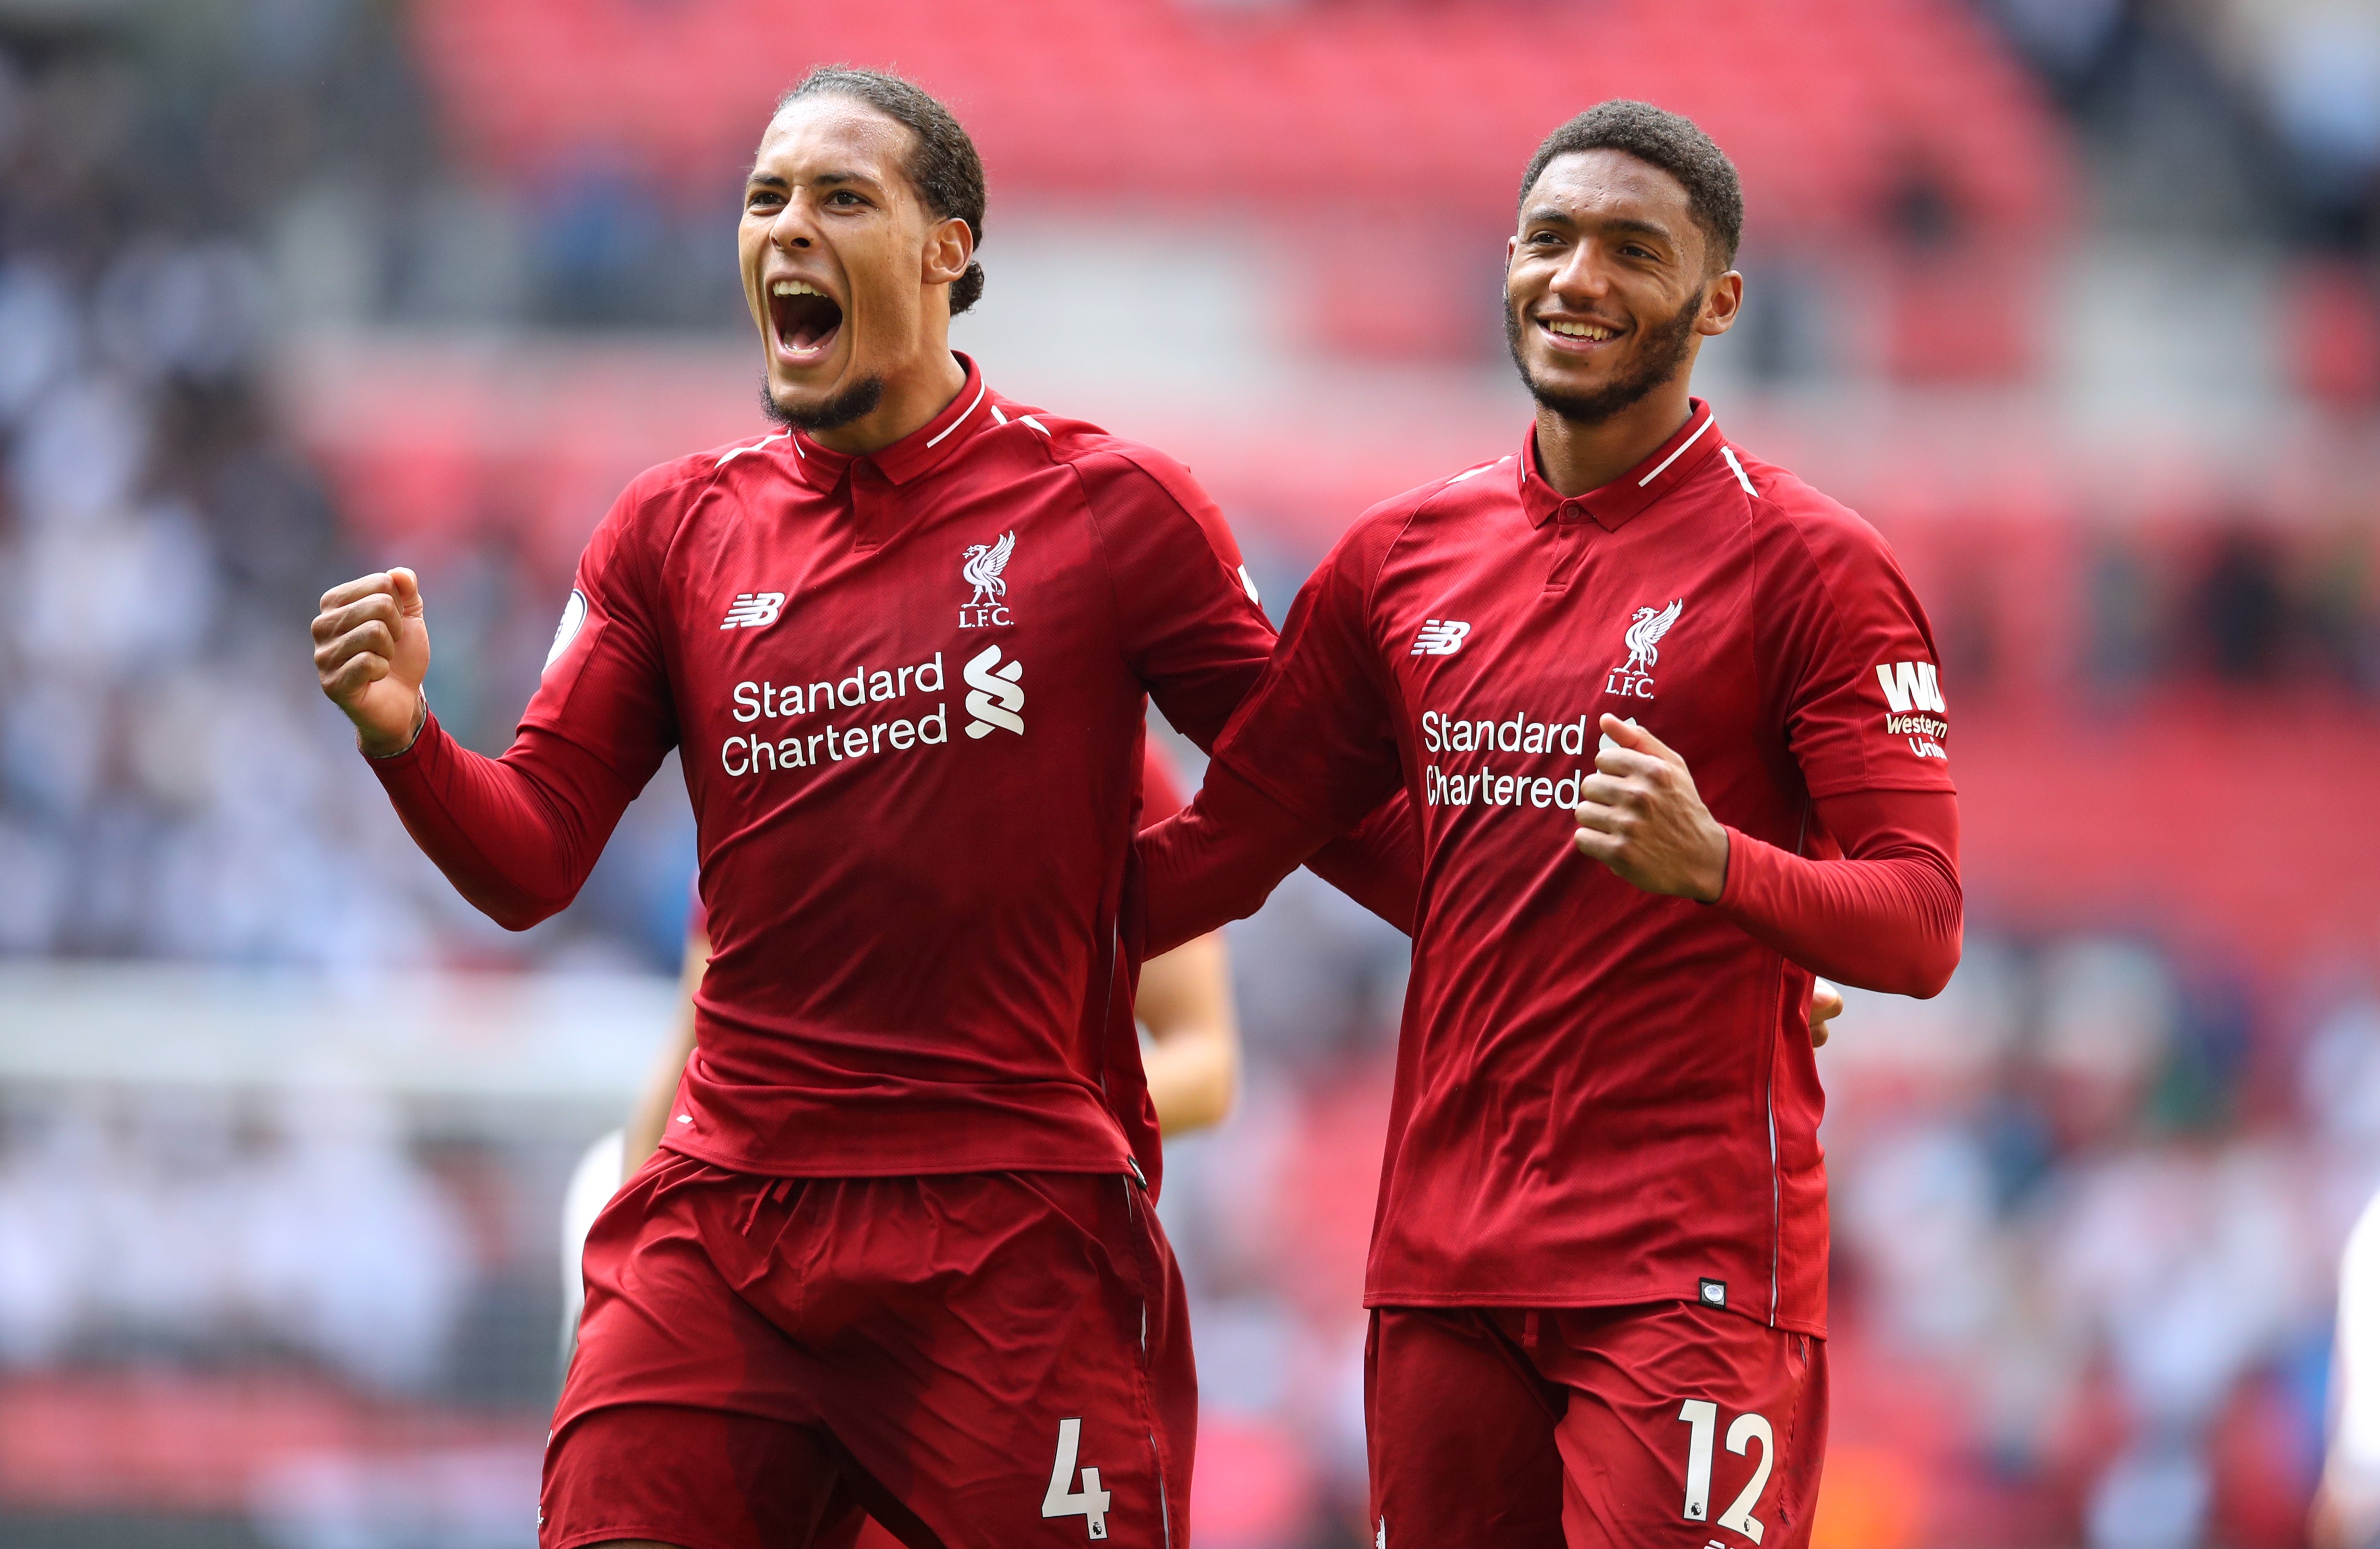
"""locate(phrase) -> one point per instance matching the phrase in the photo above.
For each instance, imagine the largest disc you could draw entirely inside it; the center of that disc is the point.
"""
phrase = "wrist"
(1711, 878)
(387, 747)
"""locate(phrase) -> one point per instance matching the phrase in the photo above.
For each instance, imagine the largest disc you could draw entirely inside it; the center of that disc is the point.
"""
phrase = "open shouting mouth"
(804, 320)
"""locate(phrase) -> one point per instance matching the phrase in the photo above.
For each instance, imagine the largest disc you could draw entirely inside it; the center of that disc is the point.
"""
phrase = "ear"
(950, 248)
(1722, 304)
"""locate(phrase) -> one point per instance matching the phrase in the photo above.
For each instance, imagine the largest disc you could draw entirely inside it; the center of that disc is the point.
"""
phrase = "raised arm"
(516, 835)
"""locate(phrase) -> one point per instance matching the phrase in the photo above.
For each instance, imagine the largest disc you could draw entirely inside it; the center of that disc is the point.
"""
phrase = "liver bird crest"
(981, 571)
(1645, 635)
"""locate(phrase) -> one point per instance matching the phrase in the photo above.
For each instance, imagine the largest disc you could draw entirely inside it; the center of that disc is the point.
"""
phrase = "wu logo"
(1912, 693)
(754, 611)
(994, 694)
(1441, 638)
(1633, 679)
(1911, 685)
(982, 569)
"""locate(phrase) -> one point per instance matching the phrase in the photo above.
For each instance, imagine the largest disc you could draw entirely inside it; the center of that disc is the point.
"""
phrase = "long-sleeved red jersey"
(1603, 1096)
(909, 688)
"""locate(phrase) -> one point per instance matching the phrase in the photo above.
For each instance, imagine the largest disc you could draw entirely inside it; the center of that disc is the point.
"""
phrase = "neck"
(1576, 456)
(910, 400)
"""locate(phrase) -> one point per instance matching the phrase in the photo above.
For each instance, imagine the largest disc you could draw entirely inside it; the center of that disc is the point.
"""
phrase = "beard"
(1663, 353)
(839, 409)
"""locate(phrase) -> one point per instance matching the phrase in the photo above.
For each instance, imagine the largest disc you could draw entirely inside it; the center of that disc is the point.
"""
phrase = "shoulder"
(651, 513)
(1127, 480)
(1466, 494)
(1098, 454)
(1808, 525)
(666, 488)
(1818, 553)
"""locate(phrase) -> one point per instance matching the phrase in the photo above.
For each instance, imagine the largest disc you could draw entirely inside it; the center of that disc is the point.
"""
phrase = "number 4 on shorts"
(1090, 1502)
(1703, 1415)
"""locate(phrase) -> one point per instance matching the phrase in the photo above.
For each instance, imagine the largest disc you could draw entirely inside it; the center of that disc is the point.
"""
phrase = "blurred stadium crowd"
(2087, 1204)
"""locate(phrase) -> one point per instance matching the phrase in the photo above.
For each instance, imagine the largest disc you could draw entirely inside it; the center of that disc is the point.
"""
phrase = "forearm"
(1379, 865)
(1218, 859)
(517, 835)
(1193, 1056)
(1887, 916)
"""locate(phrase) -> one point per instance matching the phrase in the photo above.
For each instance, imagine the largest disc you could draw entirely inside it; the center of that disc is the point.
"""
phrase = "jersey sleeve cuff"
(415, 752)
(1743, 857)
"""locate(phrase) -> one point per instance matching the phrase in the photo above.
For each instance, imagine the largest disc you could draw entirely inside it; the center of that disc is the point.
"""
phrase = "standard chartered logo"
(865, 713)
(994, 694)
(1482, 786)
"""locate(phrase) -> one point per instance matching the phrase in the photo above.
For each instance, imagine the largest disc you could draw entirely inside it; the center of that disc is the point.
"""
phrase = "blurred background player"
(2346, 1513)
(1597, 1271)
(915, 1028)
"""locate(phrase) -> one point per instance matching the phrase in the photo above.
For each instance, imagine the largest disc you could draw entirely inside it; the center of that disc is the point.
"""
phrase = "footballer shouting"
(1672, 724)
(895, 1255)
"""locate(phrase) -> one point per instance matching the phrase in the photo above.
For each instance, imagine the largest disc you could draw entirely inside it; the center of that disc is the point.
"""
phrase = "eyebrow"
(1547, 214)
(758, 179)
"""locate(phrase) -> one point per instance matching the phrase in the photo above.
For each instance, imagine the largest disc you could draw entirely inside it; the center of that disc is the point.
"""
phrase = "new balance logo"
(994, 694)
(1441, 638)
(755, 610)
(1911, 685)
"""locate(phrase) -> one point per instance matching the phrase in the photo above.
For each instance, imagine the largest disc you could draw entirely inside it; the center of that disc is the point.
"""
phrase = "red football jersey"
(1161, 797)
(910, 690)
(1603, 1096)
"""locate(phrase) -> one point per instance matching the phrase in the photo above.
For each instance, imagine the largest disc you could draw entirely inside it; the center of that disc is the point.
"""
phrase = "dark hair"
(1676, 145)
(942, 164)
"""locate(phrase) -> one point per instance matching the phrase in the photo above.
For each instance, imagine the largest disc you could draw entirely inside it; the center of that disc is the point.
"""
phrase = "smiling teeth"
(1581, 331)
(794, 287)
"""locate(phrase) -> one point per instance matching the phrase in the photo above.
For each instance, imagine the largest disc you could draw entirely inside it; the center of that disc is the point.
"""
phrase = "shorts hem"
(635, 1531)
(1378, 1301)
(1122, 1163)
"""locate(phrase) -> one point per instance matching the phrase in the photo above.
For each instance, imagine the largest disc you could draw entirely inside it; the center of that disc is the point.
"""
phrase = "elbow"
(1937, 957)
(519, 911)
(1932, 977)
(520, 919)
(1929, 975)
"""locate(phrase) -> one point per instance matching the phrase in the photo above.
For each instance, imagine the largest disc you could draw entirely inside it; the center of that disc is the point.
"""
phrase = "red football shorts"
(1592, 1428)
(984, 1358)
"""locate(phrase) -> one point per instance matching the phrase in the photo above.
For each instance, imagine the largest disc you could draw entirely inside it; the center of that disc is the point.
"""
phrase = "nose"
(791, 229)
(1582, 276)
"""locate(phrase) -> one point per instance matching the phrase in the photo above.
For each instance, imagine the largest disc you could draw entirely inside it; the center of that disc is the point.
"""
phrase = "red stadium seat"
(1139, 98)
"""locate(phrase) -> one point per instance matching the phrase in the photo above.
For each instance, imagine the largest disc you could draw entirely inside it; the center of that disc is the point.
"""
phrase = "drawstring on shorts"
(777, 1189)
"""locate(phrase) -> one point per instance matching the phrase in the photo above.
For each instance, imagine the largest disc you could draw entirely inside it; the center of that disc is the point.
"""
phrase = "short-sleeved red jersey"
(909, 689)
(1603, 1096)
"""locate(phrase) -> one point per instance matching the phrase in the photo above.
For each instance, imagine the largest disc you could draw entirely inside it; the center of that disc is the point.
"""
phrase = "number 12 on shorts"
(1703, 1416)
(1090, 1502)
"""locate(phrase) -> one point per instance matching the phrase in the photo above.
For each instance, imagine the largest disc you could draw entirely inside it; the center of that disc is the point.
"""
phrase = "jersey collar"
(1670, 464)
(921, 451)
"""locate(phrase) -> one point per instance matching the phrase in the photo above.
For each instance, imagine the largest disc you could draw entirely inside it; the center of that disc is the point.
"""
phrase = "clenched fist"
(371, 650)
(1640, 815)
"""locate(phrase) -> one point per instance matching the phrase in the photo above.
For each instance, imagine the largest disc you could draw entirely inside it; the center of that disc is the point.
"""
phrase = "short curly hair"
(942, 164)
(1675, 144)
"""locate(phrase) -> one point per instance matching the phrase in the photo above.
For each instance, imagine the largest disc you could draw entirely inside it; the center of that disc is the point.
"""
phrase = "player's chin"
(804, 396)
(1562, 375)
